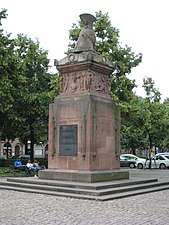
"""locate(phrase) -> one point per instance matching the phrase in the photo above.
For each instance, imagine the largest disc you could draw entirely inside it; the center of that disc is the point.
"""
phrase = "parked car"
(160, 161)
(25, 157)
(131, 156)
(125, 162)
(163, 153)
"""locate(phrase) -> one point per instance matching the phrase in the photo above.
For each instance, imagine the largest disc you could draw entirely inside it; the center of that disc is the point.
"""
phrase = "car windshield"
(132, 157)
(123, 158)
(167, 156)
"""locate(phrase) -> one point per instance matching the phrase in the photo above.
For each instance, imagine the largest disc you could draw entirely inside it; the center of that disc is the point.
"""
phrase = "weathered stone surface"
(86, 40)
(84, 102)
(85, 78)
(98, 122)
(84, 176)
(84, 57)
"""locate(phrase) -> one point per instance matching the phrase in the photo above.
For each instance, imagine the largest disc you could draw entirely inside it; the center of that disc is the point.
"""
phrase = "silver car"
(160, 161)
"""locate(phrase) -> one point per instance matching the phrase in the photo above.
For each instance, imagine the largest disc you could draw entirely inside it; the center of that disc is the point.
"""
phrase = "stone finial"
(86, 40)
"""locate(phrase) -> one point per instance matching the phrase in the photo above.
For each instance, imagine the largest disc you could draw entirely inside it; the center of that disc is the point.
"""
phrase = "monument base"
(83, 176)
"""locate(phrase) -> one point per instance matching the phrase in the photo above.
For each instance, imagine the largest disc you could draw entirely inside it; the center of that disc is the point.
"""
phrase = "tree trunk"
(32, 139)
(151, 146)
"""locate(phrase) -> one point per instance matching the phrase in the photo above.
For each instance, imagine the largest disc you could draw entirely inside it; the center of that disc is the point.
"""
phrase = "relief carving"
(100, 84)
(83, 81)
(75, 82)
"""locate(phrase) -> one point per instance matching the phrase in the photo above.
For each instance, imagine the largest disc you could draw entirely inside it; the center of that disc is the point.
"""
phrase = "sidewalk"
(162, 175)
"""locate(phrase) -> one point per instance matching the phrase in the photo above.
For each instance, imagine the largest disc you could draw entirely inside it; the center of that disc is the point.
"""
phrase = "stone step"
(119, 190)
(82, 185)
(133, 193)
(84, 191)
(89, 197)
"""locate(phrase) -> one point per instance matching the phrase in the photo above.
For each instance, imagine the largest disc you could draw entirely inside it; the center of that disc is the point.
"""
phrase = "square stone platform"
(83, 176)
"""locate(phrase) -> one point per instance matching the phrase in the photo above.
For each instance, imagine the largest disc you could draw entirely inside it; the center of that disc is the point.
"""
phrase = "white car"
(163, 153)
(131, 156)
(160, 161)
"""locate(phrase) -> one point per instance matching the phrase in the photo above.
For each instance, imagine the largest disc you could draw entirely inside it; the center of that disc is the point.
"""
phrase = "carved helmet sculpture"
(87, 39)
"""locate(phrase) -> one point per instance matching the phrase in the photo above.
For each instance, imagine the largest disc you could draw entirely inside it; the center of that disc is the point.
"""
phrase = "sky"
(142, 25)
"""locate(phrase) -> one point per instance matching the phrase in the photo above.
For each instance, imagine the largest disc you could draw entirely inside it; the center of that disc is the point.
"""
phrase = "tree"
(33, 95)
(9, 79)
(152, 93)
(148, 120)
(28, 88)
(165, 133)
(132, 129)
(152, 102)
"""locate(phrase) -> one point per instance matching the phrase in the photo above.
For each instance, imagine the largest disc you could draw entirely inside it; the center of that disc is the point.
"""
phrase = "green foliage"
(28, 88)
(152, 93)
(132, 136)
(148, 121)
(54, 85)
(3, 163)
(7, 69)
(9, 79)
(33, 97)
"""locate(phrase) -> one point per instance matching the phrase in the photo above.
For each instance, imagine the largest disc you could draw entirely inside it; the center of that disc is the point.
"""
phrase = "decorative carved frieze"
(84, 81)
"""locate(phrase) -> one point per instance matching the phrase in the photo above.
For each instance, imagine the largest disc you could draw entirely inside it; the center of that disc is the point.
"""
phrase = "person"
(34, 166)
(29, 166)
(18, 165)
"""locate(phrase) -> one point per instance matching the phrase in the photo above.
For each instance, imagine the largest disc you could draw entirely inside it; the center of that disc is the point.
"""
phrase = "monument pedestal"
(84, 122)
(84, 133)
(83, 176)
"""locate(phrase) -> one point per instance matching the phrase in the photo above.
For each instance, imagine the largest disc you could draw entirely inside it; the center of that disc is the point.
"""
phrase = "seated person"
(29, 164)
(36, 165)
(18, 165)
(33, 166)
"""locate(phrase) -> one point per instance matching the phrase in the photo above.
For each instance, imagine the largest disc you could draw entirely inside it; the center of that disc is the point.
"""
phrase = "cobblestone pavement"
(19, 208)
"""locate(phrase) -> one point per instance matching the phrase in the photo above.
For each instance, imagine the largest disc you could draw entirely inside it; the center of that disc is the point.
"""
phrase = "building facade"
(9, 149)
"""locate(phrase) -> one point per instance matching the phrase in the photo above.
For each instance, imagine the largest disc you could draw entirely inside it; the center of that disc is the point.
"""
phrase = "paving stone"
(37, 209)
(18, 208)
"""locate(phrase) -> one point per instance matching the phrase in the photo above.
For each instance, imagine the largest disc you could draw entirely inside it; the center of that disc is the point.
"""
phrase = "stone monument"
(84, 122)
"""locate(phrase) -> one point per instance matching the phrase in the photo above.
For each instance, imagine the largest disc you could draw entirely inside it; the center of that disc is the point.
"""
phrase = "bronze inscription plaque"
(68, 140)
